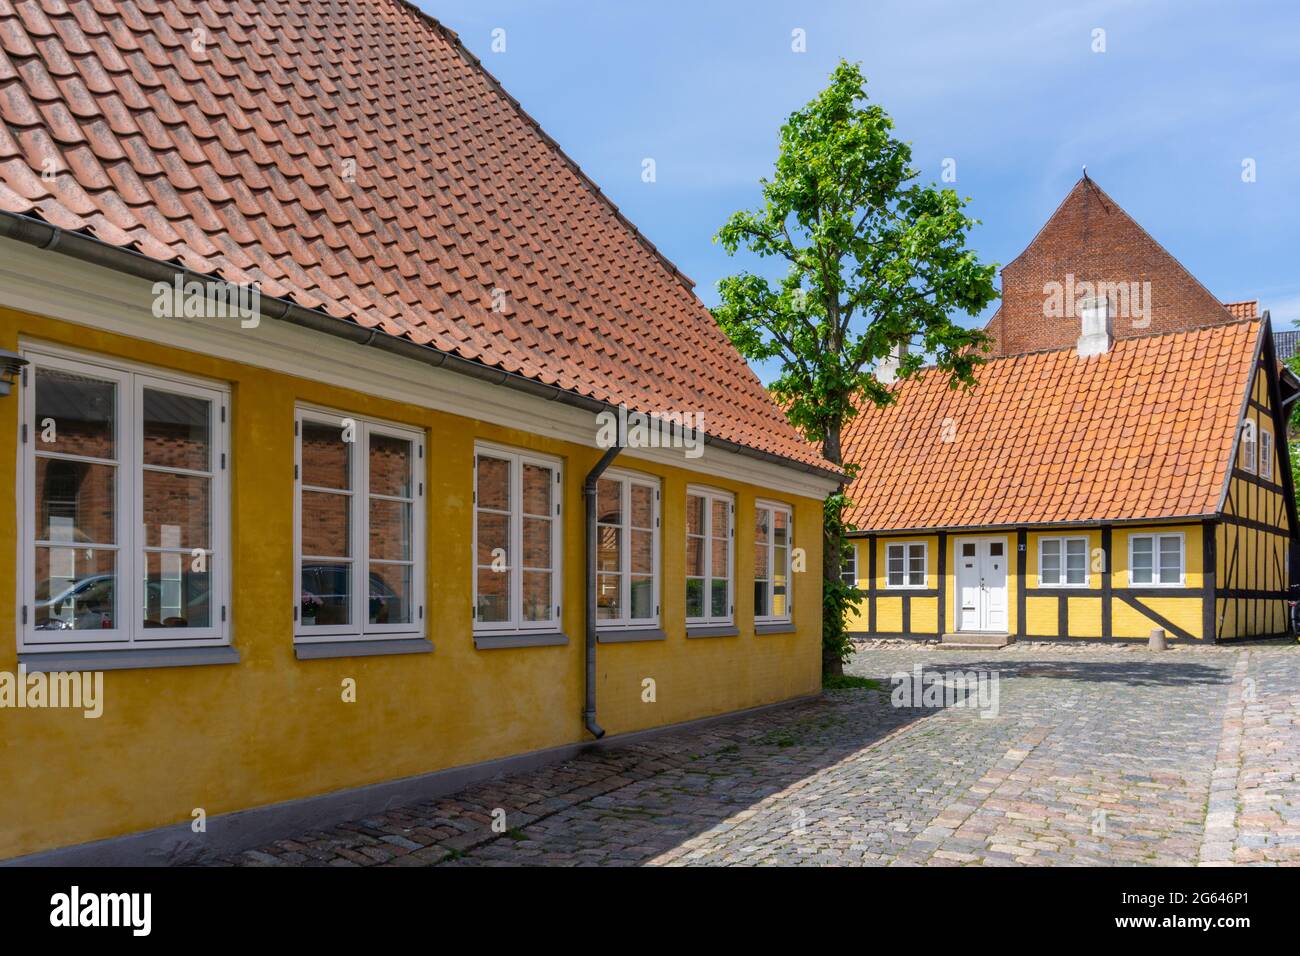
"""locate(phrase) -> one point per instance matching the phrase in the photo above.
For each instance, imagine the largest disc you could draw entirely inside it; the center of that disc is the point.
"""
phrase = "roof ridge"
(453, 38)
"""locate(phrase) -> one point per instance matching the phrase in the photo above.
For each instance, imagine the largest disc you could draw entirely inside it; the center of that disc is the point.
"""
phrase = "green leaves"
(870, 258)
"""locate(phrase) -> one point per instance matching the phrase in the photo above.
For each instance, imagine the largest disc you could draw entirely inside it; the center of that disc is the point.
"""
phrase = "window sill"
(712, 630)
(134, 658)
(631, 636)
(492, 642)
(368, 648)
(775, 627)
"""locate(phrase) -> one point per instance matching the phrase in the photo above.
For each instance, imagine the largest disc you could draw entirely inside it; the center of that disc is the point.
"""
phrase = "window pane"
(1171, 560)
(721, 519)
(326, 457)
(779, 579)
(968, 549)
(390, 466)
(895, 578)
(643, 506)
(537, 543)
(609, 549)
(493, 483)
(177, 510)
(325, 524)
(74, 501)
(643, 552)
(539, 483)
(390, 594)
(609, 501)
(779, 606)
(995, 549)
(175, 594)
(719, 606)
(762, 527)
(1076, 561)
(695, 556)
(83, 413)
(537, 596)
(643, 597)
(1142, 561)
(694, 597)
(177, 430)
(780, 527)
(493, 534)
(609, 604)
(718, 565)
(75, 589)
(326, 594)
(390, 530)
(761, 606)
(694, 514)
(493, 596)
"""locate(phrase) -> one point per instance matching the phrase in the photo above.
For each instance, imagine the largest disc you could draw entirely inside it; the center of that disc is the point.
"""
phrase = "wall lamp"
(11, 367)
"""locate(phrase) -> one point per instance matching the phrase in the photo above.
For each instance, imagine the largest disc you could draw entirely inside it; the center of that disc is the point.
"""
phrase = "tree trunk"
(832, 554)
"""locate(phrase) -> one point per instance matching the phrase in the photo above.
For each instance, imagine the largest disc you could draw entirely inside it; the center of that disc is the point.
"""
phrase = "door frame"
(957, 541)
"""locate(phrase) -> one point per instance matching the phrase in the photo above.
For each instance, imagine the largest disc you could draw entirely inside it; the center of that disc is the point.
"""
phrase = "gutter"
(589, 584)
(78, 245)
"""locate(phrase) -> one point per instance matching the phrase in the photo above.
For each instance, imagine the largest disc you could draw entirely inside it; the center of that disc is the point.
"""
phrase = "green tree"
(872, 260)
(1293, 428)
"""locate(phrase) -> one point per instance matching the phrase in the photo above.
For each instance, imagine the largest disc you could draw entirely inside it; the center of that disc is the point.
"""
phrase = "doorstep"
(976, 640)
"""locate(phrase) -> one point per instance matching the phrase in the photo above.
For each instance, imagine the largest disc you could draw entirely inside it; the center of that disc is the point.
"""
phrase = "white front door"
(981, 584)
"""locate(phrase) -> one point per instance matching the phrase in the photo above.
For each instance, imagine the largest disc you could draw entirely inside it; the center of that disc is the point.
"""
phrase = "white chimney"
(1094, 337)
(887, 369)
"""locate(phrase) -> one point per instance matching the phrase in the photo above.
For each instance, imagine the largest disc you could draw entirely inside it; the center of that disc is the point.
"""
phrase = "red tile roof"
(1243, 310)
(352, 157)
(1144, 431)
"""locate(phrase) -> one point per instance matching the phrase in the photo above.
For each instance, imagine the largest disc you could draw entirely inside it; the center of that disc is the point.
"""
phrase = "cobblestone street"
(1096, 756)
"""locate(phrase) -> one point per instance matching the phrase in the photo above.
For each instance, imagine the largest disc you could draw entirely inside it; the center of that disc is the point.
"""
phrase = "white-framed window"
(773, 542)
(1063, 562)
(125, 517)
(1249, 444)
(627, 550)
(1156, 559)
(518, 540)
(710, 542)
(906, 564)
(358, 528)
(849, 563)
(1266, 455)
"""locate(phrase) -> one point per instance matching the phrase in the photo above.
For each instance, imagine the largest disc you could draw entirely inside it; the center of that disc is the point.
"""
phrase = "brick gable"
(1091, 239)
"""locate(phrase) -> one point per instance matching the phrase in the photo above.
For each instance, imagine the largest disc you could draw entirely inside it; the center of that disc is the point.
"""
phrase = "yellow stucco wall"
(273, 728)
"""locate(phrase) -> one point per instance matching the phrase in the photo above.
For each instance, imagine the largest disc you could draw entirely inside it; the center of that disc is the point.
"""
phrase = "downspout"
(589, 493)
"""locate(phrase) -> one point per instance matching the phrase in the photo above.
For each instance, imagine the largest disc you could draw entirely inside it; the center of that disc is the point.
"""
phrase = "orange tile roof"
(352, 157)
(1144, 431)
(1243, 310)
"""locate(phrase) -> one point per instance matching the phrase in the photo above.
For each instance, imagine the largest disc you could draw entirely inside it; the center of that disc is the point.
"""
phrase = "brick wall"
(1090, 239)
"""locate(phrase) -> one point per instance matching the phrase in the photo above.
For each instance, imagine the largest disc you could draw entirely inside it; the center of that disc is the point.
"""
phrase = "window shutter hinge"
(223, 413)
(421, 612)
(296, 426)
(295, 612)
(223, 612)
(24, 433)
(557, 610)
(24, 613)
(295, 472)
(557, 507)
(223, 461)
(422, 488)
(421, 447)
(24, 375)
(473, 610)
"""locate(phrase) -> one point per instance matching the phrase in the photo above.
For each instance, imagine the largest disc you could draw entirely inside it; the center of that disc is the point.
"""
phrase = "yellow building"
(1134, 479)
(329, 454)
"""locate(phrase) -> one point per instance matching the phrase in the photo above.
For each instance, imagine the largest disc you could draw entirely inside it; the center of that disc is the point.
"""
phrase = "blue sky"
(1011, 90)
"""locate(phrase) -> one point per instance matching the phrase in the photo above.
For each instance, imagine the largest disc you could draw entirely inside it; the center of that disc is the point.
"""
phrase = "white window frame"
(628, 479)
(773, 507)
(907, 547)
(360, 628)
(1155, 581)
(518, 458)
(1249, 443)
(849, 566)
(130, 380)
(1265, 455)
(710, 495)
(1064, 571)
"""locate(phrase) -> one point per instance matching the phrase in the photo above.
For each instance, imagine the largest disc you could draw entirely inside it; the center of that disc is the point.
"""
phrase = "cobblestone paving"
(1096, 756)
